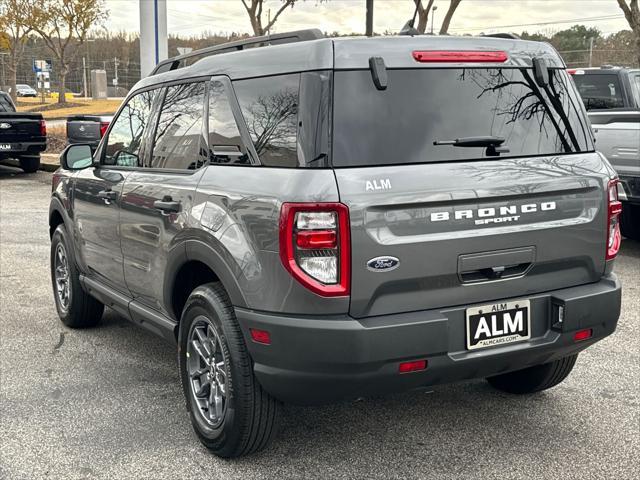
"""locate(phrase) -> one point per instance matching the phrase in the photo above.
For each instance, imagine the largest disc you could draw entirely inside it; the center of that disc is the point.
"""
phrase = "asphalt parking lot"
(107, 403)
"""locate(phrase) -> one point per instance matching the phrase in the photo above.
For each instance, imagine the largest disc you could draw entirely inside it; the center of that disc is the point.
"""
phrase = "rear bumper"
(23, 148)
(322, 359)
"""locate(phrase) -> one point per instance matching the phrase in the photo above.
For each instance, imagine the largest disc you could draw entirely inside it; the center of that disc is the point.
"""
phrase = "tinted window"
(599, 91)
(225, 145)
(270, 108)
(178, 141)
(126, 134)
(5, 104)
(400, 124)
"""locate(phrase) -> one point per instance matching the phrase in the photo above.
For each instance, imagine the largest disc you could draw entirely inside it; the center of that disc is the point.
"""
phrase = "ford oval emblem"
(383, 264)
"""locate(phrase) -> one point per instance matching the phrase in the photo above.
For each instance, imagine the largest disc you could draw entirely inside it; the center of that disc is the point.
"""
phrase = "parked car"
(328, 218)
(24, 90)
(22, 135)
(612, 98)
(88, 129)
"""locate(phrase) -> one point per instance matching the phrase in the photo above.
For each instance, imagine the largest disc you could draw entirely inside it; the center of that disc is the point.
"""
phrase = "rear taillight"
(315, 247)
(103, 128)
(614, 238)
(43, 128)
(459, 56)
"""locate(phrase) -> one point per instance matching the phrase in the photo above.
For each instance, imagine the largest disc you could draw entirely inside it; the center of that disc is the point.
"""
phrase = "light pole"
(433, 16)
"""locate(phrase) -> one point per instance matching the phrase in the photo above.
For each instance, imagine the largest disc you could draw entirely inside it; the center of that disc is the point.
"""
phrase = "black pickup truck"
(22, 135)
(88, 129)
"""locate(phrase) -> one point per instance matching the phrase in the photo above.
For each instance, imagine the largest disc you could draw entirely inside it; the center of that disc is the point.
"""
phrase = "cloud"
(192, 17)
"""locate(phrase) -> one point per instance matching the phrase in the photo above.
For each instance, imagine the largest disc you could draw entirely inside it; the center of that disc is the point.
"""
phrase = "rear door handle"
(108, 194)
(167, 205)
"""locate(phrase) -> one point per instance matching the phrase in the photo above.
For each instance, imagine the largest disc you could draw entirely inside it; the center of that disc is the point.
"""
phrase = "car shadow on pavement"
(435, 425)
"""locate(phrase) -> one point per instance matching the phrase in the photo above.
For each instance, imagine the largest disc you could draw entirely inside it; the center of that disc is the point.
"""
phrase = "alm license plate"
(498, 324)
(5, 146)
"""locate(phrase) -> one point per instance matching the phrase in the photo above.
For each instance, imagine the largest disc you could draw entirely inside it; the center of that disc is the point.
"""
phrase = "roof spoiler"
(182, 61)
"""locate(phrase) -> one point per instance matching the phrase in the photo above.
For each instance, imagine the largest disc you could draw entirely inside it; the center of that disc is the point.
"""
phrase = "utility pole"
(591, 52)
(84, 76)
(369, 27)
(115, 64)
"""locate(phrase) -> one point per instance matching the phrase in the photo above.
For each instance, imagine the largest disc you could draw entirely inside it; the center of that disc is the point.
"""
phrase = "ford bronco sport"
(322, 219)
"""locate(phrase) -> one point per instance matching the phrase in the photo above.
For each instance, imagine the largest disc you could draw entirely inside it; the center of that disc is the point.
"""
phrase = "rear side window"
(423, 106)
(600, 91)
(178, 142)
(270, 108)
(127, 132)
(225, 144)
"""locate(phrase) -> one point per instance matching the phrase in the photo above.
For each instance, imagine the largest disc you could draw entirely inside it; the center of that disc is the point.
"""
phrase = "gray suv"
(314, 219)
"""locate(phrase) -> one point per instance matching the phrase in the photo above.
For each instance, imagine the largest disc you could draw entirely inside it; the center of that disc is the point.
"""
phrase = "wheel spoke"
(197, 346)
(198, 373)
(204, 341)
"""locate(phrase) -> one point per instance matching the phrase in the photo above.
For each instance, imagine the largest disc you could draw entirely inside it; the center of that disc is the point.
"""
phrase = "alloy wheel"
(207, 370)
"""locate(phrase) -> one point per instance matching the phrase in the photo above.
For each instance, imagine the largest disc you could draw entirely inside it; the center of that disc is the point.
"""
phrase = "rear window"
(399, 125)
(600, 91)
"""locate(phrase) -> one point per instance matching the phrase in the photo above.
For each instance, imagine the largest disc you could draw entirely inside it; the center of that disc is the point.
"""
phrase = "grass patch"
(52, 109)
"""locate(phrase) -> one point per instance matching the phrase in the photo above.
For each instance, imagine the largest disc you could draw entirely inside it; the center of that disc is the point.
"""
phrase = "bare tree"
(255, 9)
(423, 14)
(14, 30)
(632, 14)
(64, 25)
(444, 28)
(425, 10)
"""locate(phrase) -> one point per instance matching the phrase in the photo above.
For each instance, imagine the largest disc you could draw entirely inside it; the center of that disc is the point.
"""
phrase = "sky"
(194, 17)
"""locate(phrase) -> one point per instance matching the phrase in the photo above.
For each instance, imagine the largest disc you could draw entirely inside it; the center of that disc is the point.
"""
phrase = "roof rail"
(182, 61)
(502, 35)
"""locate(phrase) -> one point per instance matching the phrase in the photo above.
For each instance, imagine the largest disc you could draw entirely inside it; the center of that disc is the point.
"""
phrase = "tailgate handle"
(495, 265)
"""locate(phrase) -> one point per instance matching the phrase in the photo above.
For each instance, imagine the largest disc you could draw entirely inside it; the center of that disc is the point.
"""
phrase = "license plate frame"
(501, 320)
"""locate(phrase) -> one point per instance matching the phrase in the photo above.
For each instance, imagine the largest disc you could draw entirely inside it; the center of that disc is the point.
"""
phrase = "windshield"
(23, 86)
(421, 107)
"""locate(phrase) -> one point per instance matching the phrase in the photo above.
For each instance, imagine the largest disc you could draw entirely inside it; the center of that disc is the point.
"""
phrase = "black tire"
(630, 221)
(30, 164)
(250, 416)
(80, 309)
(534, 379)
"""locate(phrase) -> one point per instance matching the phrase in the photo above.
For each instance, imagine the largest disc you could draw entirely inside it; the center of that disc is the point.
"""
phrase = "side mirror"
(76, 157)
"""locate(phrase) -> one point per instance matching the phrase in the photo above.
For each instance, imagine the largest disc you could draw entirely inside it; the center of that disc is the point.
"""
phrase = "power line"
(555, 22)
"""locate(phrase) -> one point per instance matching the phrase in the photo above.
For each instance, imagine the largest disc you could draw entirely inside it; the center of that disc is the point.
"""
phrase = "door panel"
(149, 235)
(96, 223)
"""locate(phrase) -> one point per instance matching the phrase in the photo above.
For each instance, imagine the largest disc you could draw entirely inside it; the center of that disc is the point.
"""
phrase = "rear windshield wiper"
(486, 141)
(492, 143)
